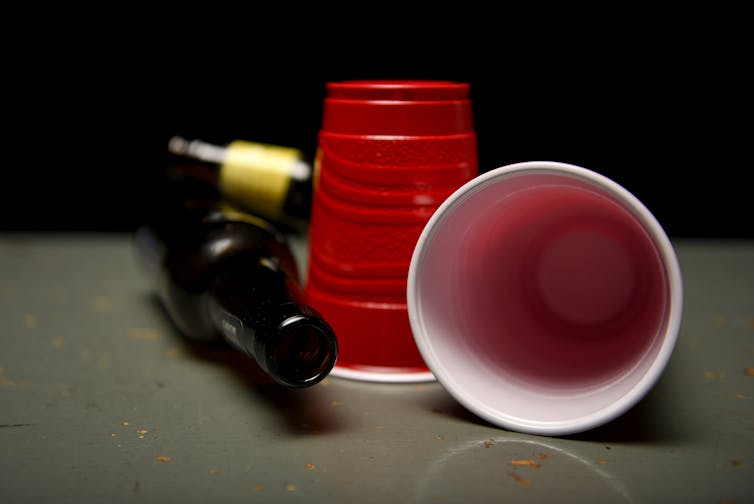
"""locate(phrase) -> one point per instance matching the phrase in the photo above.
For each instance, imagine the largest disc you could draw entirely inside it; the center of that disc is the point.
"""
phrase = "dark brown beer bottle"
(228, 275)
(271, 181)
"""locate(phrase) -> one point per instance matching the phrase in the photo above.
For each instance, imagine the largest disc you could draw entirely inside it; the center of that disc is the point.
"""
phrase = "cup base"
(383, 374)
(375, 339)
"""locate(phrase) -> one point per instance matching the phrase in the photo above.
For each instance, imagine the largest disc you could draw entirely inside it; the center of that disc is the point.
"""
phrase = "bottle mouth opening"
(304, 352)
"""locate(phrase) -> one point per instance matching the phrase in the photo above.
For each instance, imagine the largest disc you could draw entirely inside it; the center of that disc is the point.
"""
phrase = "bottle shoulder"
(194, 254)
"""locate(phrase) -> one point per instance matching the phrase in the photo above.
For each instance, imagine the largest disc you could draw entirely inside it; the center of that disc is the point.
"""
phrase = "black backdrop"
(656, 112)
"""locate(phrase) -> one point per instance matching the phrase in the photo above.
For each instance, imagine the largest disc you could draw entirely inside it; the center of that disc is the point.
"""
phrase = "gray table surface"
(102, 401)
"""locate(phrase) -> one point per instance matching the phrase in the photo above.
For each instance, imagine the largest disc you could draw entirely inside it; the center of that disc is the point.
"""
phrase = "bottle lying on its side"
(224, 274)
(271, 181)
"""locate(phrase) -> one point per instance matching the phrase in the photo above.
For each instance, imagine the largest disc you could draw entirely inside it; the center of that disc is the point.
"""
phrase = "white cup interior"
(545, 297)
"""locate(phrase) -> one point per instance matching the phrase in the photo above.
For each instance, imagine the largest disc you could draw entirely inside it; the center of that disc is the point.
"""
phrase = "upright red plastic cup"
(390, 152)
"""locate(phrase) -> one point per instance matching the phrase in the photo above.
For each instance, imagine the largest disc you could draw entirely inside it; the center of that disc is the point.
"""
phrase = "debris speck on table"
(525, 463)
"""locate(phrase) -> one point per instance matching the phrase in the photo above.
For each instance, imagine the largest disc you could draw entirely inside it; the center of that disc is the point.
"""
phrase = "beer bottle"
(227, 275)
(270, 181)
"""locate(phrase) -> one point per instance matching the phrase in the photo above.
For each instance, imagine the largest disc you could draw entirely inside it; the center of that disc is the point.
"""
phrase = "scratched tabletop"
(101, 400)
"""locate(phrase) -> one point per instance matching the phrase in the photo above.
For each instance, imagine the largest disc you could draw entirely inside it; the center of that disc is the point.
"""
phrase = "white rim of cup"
(382, 376)
(573, 425)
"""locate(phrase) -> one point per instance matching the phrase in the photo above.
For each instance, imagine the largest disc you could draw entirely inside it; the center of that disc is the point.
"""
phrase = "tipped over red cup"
(545, 297)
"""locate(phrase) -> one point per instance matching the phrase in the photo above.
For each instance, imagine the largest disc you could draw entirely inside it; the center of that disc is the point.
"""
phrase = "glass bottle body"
(222, 278)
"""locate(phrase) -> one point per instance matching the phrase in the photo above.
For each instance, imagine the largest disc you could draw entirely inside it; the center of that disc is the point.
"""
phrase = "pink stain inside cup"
(543, 283)
(573, 288)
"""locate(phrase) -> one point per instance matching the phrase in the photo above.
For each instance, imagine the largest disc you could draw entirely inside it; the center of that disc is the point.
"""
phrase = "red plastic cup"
(545, 297)
(389, 153)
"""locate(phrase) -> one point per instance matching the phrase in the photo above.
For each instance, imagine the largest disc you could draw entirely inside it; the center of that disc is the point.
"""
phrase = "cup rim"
(479, 406)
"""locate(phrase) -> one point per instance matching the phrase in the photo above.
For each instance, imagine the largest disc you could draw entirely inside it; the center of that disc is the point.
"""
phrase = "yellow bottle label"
(258, 176)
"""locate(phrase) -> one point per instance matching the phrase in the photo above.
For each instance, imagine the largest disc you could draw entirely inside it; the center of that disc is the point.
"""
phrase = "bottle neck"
(269, 180)
(256, 310)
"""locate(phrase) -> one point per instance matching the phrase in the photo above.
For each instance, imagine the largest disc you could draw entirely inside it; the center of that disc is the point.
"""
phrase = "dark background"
(656, 104)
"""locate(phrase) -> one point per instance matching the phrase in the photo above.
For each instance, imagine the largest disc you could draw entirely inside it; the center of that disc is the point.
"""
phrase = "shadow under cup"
(545, 297)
